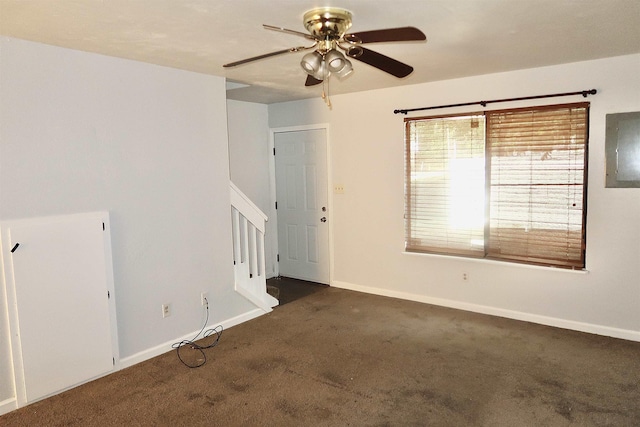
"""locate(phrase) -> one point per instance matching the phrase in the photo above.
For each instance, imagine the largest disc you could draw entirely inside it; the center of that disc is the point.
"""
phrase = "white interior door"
(61, 283)
(302, 194)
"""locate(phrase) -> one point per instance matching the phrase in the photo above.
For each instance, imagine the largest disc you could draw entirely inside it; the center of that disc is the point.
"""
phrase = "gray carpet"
(341, 358)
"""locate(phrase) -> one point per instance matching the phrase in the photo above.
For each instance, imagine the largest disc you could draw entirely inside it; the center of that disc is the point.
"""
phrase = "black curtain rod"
(584, 93)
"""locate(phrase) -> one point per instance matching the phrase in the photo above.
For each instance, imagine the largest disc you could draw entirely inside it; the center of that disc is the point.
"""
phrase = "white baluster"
(248, 226)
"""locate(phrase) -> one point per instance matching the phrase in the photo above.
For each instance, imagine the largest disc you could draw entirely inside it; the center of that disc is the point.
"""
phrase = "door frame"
(272, 188)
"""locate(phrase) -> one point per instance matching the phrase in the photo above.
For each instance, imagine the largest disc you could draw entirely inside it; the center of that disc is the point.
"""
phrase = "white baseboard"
(11, 404)
(625, 334)
(166, 347)
(8, 405)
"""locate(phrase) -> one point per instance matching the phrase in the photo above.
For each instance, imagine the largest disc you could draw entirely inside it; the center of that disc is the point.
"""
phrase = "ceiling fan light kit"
(337, 63)
(311, 62)
(327, 29)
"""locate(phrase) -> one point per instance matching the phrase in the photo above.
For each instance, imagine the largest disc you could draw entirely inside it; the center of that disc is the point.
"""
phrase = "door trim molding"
(272, 189)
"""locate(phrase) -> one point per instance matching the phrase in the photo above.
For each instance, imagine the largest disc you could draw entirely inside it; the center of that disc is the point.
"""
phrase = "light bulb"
(311, 63)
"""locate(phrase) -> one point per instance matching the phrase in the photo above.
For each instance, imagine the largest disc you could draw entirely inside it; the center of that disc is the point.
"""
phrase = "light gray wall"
(83, 132)
(366, 145)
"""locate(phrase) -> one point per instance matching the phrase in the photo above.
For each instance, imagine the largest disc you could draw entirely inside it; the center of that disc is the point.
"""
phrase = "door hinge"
(274, 151)
(278, 257)
(114, 361)
(108, 295)
(103, 227)
(276, 205)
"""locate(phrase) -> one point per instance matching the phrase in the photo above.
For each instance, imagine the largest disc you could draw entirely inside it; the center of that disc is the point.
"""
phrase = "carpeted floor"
(341, 358)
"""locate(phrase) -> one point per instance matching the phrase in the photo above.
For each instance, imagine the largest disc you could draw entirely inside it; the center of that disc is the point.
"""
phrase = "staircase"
(248, 226)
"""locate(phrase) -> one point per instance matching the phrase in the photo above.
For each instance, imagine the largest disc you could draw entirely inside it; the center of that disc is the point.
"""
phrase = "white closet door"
(60, 272)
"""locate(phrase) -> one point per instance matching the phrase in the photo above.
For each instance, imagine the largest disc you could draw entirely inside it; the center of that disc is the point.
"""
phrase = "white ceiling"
(465, 37)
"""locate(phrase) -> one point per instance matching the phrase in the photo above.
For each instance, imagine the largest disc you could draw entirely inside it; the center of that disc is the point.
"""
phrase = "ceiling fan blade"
(402, 34)
(312, 81)
(266, 55)
(284, 30)
(380, 61)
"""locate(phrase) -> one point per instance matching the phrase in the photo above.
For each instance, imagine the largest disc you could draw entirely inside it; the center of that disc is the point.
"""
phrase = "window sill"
(495, 262)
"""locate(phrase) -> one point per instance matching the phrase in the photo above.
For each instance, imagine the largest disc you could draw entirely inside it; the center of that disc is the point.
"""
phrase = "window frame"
(582, 147)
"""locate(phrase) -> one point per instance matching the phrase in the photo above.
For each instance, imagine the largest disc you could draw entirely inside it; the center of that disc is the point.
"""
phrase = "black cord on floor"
(199, 349)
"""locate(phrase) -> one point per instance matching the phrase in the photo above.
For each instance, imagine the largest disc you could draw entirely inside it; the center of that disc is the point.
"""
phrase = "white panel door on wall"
(63, 322)
(301, 194)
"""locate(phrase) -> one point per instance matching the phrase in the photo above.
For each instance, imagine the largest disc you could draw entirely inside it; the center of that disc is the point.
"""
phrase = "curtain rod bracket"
(584, 93)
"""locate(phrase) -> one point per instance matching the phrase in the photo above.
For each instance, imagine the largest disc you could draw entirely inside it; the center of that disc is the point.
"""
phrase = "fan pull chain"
(325, 89)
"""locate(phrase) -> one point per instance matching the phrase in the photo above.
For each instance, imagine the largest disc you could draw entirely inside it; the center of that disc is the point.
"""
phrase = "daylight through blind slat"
(445, 185)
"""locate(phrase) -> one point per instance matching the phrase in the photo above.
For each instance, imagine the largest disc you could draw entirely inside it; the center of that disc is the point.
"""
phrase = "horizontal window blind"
(537, 163)
(444, 195)
(521, 196)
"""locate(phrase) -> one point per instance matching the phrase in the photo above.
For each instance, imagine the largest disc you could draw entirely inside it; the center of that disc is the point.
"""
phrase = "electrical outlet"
(465, 276)
(204, 299)
(166, 310)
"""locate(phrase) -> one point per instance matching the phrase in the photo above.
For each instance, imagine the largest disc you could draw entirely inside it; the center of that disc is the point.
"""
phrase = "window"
(507, 185)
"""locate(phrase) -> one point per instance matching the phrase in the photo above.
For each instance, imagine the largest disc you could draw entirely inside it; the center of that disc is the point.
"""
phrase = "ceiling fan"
(327, 29)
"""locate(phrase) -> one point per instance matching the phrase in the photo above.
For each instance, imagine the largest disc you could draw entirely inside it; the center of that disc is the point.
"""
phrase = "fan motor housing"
(327, 22)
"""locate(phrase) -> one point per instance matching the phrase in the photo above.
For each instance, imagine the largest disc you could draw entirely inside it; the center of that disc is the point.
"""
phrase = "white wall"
(367, 158)
(83, 132)
(249, 156)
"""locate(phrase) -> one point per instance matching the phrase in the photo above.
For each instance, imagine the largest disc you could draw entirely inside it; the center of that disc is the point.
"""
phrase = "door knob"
(323, 219)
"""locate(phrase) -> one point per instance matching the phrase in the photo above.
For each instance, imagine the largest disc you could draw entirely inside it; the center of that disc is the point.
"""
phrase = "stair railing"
(248, 228)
